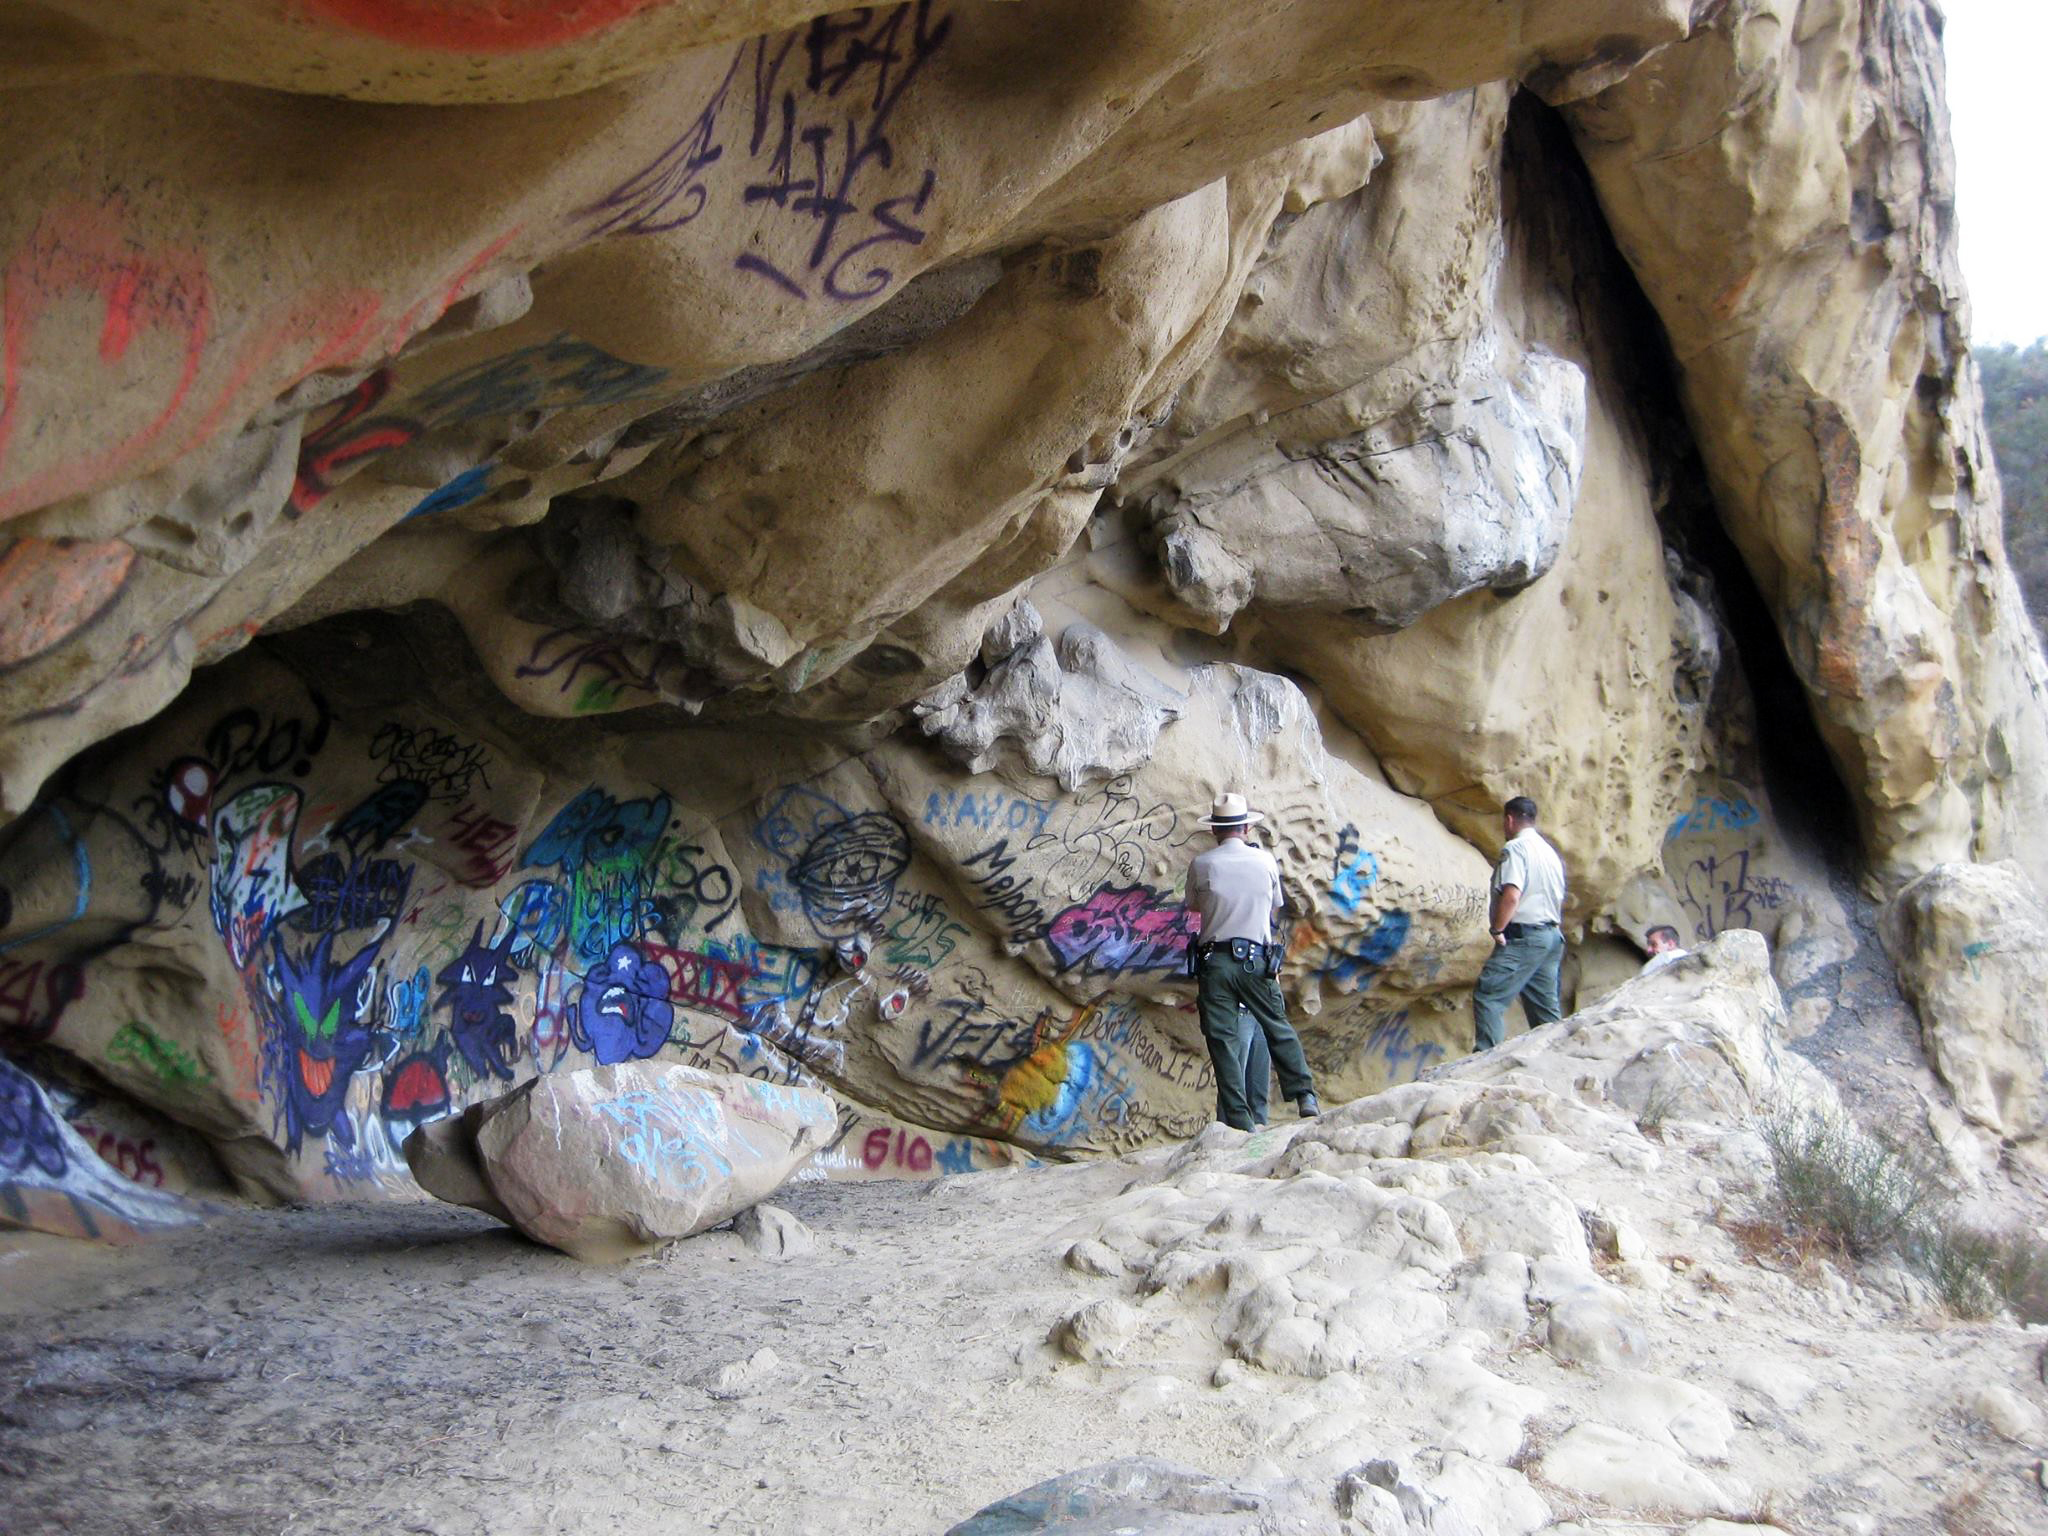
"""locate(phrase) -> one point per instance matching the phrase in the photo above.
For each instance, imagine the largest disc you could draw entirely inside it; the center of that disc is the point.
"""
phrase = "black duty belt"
(1516, 930)
(1240, 949)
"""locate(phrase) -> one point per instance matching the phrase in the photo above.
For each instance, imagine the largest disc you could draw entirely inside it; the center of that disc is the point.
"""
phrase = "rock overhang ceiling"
(799, 510)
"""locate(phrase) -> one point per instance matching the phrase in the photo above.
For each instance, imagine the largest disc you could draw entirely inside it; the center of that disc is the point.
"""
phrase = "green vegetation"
(2016, 412)
(1866, 1195)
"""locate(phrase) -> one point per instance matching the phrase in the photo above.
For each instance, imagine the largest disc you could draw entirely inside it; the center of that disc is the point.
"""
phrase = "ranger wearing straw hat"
(1234, 889)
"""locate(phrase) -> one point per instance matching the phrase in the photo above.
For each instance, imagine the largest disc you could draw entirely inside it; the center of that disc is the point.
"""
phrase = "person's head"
(1232, 816)
(1517, 814)
(1661, 939)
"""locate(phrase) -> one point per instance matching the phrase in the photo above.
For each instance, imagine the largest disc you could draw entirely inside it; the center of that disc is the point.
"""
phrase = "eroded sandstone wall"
(767, 528)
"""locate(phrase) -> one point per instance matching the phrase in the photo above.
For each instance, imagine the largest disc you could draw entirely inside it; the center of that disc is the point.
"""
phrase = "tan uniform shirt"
(1532, 866)
(1235, 889)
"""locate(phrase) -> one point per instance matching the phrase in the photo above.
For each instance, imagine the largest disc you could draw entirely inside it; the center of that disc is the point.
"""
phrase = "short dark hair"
(1661, 928)
(1522, 808)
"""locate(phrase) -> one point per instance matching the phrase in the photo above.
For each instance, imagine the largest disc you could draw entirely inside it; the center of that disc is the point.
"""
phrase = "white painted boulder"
(609, 1162)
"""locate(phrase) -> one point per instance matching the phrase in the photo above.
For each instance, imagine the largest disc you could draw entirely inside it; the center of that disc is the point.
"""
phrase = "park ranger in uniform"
(1526, 908)
(1234, 888)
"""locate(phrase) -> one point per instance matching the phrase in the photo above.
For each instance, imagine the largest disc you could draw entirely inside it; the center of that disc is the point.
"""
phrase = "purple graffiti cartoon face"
(624, 1011)
(476, 989)
(317, 1041)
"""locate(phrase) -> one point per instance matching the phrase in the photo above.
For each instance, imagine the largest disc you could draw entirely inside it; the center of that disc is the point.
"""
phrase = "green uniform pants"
(1526, 967)
(1232, 994)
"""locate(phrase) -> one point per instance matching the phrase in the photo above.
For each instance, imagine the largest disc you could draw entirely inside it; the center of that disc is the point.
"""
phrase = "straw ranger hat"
(1232, 811)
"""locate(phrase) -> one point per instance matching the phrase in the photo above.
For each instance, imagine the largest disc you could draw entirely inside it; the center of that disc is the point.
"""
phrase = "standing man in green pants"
(1234, 888)
(1528, 945)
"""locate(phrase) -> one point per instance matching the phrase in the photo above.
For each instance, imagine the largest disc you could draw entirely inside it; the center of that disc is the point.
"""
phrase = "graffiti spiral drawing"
(847, 875)
(839, 869)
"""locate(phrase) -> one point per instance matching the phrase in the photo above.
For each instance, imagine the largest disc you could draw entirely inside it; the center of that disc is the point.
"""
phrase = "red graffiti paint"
(52, 588)
(34, 995)
(336, 325)
(427, 311)
(350, 434)
(478, 26)
(416, 1089)
(490, 844)
(133, 1160)
(81, 253)
(900, 1148)
(249, 1074)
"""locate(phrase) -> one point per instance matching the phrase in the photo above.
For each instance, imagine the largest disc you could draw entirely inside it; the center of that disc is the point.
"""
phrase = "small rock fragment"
(1613, 1238)
(1092, 1257)
(1587, 1331)
(743, 1378)
(1099, 1331)
(2009, 1414)
(771, 1231)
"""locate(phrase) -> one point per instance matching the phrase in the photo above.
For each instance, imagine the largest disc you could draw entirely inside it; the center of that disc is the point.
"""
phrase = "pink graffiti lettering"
(1121, 928)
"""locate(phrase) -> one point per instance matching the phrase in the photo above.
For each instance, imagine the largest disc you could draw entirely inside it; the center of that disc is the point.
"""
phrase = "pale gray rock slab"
(1626, 1472)
(1136, 1494)
(1971, 945)
(608, 1162)
(1588, 1331)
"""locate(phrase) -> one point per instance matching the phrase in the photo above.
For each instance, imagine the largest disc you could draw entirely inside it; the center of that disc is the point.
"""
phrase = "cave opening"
(1785, 751)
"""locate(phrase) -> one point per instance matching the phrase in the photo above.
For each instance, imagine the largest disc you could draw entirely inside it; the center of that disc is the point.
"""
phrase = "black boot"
(1308, 1106)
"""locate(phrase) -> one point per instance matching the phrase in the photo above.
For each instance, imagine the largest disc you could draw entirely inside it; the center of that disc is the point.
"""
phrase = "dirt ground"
(418, 1368)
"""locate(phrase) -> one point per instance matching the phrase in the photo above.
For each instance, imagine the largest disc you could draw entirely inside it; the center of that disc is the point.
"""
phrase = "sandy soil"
(419, 1368)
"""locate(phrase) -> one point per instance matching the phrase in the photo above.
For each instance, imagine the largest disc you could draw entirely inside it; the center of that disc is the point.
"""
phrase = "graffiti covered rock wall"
(747, 534)
(312, 922)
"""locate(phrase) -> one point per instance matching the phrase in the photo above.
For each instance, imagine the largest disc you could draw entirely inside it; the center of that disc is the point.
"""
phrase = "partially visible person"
(1664, 947)
(1524, 911)
(1258, 1069)
(1234, 889)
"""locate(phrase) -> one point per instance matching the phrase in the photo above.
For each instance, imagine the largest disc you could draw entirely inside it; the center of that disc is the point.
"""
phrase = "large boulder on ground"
(612, 1161)
(1971, 945)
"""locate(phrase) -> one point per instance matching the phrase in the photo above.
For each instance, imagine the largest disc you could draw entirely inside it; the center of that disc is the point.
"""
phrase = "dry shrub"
(1867, 1195)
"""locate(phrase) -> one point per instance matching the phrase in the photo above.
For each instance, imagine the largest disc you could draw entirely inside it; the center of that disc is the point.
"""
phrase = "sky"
(1995, 48)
